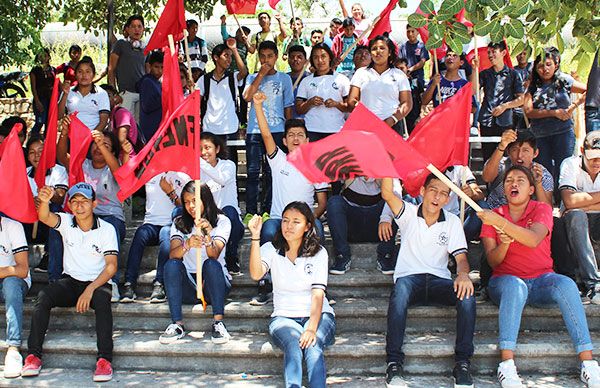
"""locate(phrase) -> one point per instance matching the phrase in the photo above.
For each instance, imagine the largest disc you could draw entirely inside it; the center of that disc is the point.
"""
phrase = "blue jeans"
(148, 235)
(13, 293)
(512, 294)
(286, 333)
(40, 117)
(255, 159)
(554, 149)
(424, 289)
(592, 119)
(237, 232)
(272, 225)
(472, 225)
(581, 228)
(119, 226)
(181, 287)
(363, 222)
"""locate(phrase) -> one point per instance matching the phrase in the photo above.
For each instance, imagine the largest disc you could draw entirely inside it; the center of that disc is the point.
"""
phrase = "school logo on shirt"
(94, 102)
(313, 85)
(3, 250)
(276, 87)
(96, 248)
(308, 268)
(69, 243)
(443, 239)
(335, 86)
(418, 51)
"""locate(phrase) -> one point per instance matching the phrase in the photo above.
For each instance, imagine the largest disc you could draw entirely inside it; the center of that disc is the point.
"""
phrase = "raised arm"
(261, 119)
(109, 157)
(62, 147)
(490, 169)
(256, 267)
(344, 10)
(45, 216)
(387, 193)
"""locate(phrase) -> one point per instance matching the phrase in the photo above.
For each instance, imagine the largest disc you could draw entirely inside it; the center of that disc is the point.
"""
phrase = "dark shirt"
(414, 52)
(498, 88)
(130, 68)
(44, 81)
(150, 91)
(555, 95)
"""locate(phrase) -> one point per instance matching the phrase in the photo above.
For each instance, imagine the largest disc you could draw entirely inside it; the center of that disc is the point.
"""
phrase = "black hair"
(429, 178)
(109, 89)
(268, 45)
(389, 44)
(33, 139)
(349, 21)
(324, 47)
(218, 50)
(536, 80)
(44, 50)
(359, 48)
(317, 31)
(185, 222)
(497, 45)
(296, 19)
(399, 61)
(114, 140)
(74, 47)
(524, 170)
(245, 29)
(9, 123)
(86, 60)
(263, 13)
(310, 245)
(294, 123)
(336, 21)
(297, 49)
(190, 22)
(132, 18)
(525, 136)
(156, 57)
(218, 142)
(409, 26)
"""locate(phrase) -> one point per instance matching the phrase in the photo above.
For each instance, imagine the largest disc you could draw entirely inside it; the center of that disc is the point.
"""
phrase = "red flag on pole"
(383, 25)
(80, 138)
(17, 198)
(171, 22)
(242, 7)
(273, 3)
(172, 90)
(48, 158)
(174, 147)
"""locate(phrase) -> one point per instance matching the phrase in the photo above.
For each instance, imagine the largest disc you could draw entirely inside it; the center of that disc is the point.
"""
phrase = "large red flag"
(80, 138)
(273, 3)
(484, 61)
(383, 24)
(242, 7)
(172, 90)
(17, 198)
(174, 147)
(48, 158)
(171, 22)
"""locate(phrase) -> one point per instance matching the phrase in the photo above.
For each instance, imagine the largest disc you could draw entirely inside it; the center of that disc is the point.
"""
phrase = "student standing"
(417, 55)
(41, 78)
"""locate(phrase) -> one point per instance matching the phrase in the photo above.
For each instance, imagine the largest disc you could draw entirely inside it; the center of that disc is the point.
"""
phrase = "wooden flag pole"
(239, 25)
(360, 38)
(463, 180)
(437, 71)
(405, 128)
(477, 93)
(186, 50)
(301, 75)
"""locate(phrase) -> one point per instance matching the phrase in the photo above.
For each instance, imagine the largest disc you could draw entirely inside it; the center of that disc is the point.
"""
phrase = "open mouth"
(513, 193)
(520, 162)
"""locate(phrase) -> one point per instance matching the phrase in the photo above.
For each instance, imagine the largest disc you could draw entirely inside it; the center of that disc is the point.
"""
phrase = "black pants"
(65, 293)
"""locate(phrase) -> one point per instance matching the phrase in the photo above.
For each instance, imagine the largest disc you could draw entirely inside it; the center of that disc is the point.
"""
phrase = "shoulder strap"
(232, 88)
(204, 101)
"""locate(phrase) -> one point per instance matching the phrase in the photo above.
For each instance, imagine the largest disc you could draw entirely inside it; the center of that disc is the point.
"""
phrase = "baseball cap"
(591, 145)
(82, 188)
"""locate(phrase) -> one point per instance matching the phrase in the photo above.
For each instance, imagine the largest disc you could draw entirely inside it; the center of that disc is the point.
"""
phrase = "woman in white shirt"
(358, 14)
(303, 322)
(180, 270)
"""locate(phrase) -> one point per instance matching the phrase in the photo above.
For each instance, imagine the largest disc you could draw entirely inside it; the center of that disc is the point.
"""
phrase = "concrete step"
(355, 354)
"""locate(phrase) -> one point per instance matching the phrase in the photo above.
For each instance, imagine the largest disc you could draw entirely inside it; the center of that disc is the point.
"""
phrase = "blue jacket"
(150, 90)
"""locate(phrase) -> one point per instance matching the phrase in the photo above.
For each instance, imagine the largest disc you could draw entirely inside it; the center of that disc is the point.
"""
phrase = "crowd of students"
(534, 167)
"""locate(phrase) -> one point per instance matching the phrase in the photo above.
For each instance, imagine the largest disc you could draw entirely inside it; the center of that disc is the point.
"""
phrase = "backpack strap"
(232, 88)
(204, 101)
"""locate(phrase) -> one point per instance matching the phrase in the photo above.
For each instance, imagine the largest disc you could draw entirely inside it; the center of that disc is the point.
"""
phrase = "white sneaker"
(590, 373)
(13, 363)
(508, 376)
(116, 297)
(173, 333)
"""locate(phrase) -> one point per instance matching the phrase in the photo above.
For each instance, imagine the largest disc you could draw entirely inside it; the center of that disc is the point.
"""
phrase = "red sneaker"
(32, 366)
(104, 370)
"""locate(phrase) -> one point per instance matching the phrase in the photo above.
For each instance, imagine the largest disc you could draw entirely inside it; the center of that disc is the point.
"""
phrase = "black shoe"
(127, 293)
(330, 298)
(393, 375)
(386, 264)
(43, 265)
(233, 266)
(462, 375)
(264, 294)
(219, 335)
(340, 265)
(158, 293)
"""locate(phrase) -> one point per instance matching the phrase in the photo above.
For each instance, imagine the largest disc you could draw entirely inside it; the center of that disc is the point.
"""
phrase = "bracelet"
(255, 239)
(170, 193)
(174, 199)
(498, 148)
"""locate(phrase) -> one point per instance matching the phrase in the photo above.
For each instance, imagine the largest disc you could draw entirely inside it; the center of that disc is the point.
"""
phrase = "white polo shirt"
(333, 86)
(220, 232)
(425, 249)
(84, 252)
(455, 174)
(89, 106)
(220, 117)
(574, 177)
(380, 92)
(222, 182)
(12, 241)
(293, 282)
(158, 205)
(56, 177)
(289, 184)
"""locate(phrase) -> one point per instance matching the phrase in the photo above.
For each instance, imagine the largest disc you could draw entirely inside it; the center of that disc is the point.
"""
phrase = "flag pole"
(186, 50)
(437, 71)
(301, 75)
(239, 25)
(463, 180)
(364, 33)
(440, 175)
(294, 22)
(476, 69)
(405, 128)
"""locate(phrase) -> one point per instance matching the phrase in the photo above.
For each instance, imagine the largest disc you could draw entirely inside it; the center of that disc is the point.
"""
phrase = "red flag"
(48, 158)
(172, 90)
(484, 61)
(80, 138)
(174, 147)
(344, 155)
(171, 22)
(273, 3)
(242, 7)
(443, 135)
(383, 24)
(17, 198)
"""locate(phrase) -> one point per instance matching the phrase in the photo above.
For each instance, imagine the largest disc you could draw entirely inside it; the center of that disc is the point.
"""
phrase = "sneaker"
(158, 293)
(474, 131)
(116, 297)
(247, 218)
(462, 375)
(340, 265)
(261, 299)
(43, 264)
(13, 363)
(590, 373)
(103, 371)
(219, 335)
(330, 298)
(233, 266)
(128, 294)
(173, 333)
(393, 375)
(386, 264)
(508, 376)
(32, 366)
(482, 295)
(594, 296)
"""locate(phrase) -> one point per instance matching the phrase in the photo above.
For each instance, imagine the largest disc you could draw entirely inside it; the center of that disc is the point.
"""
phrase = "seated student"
(219, 174)
(516, 239)
(163, 194)
(297, 62)
(429, 235)
(416, 92)
(149, 88)
(89, 265)
(57, 178)
(123, 124)
(180, 269)
(579, 187)
(14, 284)
(302, 323)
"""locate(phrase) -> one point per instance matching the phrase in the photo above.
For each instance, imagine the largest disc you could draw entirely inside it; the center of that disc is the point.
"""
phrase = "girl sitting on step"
(180, 269)
(303, 322)
(516, 238)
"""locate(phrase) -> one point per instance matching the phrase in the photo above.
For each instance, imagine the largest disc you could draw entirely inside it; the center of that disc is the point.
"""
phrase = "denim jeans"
(581, 228)
(181, 287)
(40, 117)
(472, 225)
(119, 226)
(554, 149)
(255, 160)
(272, 225)
(237, 232)
(148, 235)
(511, 293)
(286, 333)
(13, 291)
(424, 289)
(356, 224)
(592, 119)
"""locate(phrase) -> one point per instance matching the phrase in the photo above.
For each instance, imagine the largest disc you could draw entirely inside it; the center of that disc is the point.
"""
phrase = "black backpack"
(232, 87)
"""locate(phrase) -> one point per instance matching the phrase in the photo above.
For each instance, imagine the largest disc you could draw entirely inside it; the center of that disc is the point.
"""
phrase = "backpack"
(232, 87)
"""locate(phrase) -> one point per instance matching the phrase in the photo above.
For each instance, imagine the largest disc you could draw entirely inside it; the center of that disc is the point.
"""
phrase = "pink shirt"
(121, 117)
(522, 261)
